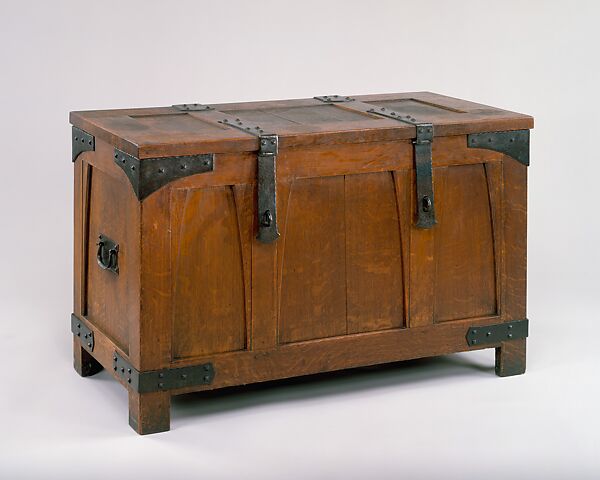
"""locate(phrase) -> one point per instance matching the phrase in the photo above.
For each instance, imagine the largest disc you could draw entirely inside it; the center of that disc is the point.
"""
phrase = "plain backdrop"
(448, 417)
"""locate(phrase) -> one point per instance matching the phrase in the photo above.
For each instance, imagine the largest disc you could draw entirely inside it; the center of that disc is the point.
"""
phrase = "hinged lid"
(193, 128)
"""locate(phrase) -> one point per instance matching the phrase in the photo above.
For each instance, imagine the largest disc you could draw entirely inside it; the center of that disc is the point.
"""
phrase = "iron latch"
(425, 207)
(268, 148)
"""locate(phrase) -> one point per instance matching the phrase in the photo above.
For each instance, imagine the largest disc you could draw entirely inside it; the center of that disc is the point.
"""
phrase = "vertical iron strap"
(267, 188)
(424, 176)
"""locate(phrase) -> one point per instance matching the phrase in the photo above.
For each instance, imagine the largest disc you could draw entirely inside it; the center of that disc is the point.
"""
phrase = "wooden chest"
(220, 245)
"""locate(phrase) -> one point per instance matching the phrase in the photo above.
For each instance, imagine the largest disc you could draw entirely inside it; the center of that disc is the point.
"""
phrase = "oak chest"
(220, 245)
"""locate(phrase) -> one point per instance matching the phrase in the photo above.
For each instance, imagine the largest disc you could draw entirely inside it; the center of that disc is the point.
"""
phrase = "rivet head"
(161, 170)
(263, 142)
(85, 336)
(129, 370)
(129, 380)
(89, 345)
(76, 139)
(161, 385)
(488, 334)
(272, 142)
(510, 326)
(115, 369)
(133, 167)
(206, 378)
(79, 325)
(473, 332)
(473, 342)
(122, 370)
(510, 335)
(161, 375)
(114, 359)
(183, 376)
(206, 368)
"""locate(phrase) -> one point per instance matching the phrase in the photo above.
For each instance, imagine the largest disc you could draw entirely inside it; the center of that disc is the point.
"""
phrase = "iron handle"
(108, 254)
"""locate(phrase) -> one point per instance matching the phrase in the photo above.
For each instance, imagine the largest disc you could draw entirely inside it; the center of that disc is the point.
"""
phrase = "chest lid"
(193, 129)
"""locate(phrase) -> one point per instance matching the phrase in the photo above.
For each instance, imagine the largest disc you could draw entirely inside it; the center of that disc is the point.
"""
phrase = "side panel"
(109, 301)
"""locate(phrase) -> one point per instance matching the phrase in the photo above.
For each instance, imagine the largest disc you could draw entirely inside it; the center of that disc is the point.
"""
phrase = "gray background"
(447, 417)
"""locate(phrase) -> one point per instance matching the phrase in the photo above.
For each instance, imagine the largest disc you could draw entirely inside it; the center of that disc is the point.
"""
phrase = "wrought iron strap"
(267, 189)
(268, 148)
(425, 204)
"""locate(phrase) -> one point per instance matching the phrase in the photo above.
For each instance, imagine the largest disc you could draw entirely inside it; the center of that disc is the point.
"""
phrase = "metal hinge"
(192, 107)
(268, 148)
(423, 164)
(165, 379)
(514, 143)
(85, 335)
(334, 98)
(500, 332)
(150, 174)
(81, 142)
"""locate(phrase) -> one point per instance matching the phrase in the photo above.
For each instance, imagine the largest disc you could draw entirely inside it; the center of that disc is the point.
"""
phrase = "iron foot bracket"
(500, 332)
(85, 335)
(162, 380)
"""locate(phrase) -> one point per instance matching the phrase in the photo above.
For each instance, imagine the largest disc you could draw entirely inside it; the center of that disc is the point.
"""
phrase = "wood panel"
(313, 287)
(374, 279)
(151, 349)
(515, 236)
(465, 272)
(210, 248)
(113, 300)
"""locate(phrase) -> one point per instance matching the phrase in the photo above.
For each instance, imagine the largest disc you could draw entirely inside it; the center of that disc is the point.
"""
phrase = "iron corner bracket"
(162, 380)
(150, 174)
(81, 142)
(514, 143)
(495, 334)
(81, 331)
